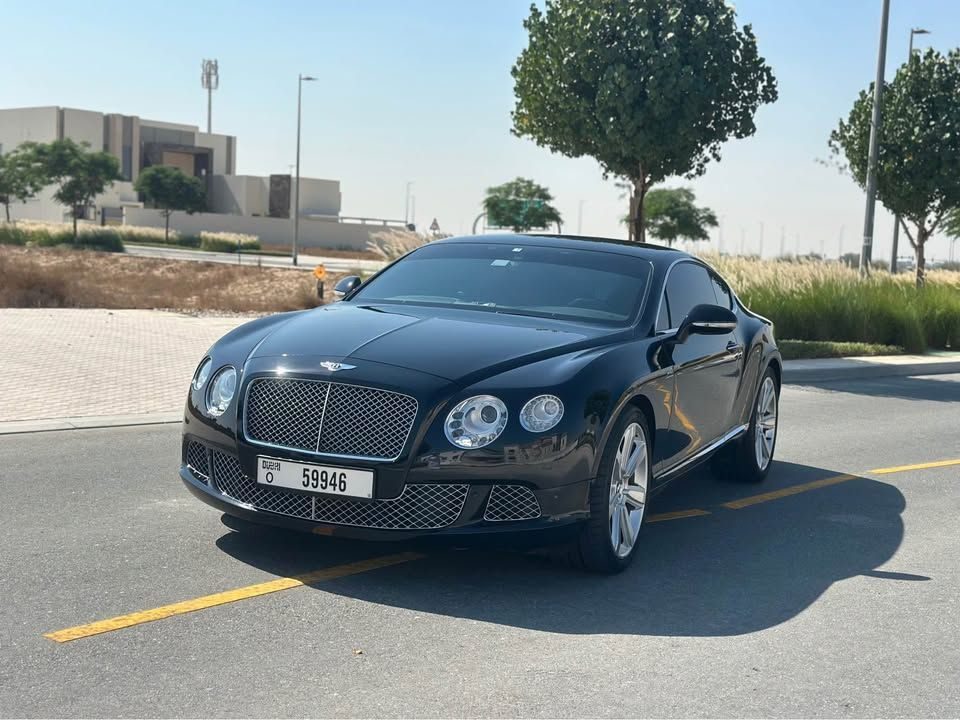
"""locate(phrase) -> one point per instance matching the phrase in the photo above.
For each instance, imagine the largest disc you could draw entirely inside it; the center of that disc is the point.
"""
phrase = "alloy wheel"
(766, 431)
(628, 490)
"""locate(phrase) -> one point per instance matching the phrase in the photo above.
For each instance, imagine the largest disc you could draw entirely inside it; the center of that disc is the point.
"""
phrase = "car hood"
(451, 344)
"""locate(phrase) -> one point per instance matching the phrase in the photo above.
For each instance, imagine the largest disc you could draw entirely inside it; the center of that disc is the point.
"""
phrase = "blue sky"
(421, 90)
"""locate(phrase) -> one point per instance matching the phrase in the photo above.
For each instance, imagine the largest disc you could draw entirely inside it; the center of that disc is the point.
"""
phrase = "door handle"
(736, 348)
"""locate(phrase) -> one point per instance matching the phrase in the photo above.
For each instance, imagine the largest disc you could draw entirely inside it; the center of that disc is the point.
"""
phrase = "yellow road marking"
(785, 492)
(229, 596)
(918, 466)
(676, 515)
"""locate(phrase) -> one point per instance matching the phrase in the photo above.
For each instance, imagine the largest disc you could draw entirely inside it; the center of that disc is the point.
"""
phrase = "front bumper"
(437, 508)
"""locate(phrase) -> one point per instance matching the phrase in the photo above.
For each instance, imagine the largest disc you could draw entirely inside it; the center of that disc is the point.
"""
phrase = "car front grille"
(419, 507)
(328, 418)
(197, 460)
(511, 502)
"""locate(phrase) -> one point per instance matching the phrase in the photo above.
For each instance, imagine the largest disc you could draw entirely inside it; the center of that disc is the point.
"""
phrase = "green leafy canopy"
(20, 177)
(918, 161)
(520, 204)
(672, 215)
(649, 88)
(170, 189)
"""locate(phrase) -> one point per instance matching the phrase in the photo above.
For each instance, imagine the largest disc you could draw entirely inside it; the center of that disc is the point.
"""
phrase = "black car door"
(707, 367)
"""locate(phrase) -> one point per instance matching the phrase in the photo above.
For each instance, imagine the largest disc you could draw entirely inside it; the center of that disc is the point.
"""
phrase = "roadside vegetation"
(65, 278)
(113, 238)
(827, 301)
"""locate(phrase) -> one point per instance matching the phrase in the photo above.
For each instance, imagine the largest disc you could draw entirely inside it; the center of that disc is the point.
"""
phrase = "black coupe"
(493, 384)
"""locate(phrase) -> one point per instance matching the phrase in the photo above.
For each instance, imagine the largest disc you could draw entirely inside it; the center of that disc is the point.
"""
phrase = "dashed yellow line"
(786, 492)
(677, 515)
(918, 466)
(229, 596)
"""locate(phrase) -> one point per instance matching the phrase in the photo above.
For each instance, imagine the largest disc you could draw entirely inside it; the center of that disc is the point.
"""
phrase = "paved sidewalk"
(82, 363)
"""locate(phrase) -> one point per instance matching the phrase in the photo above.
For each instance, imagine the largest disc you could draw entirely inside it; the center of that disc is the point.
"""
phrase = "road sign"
(320, 272)
(434, 226)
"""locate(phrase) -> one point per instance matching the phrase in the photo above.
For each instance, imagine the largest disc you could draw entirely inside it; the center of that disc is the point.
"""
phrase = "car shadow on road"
(727, 573)
(920, 388)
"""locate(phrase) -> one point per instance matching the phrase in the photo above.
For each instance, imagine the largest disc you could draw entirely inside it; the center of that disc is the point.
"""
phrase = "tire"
(748, 459)
(593, 549)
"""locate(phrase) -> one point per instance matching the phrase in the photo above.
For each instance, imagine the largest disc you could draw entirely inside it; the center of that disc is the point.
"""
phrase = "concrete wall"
(21, 125)
(239, 194)
(320, 197)
(271, 231)
(42, 207)
(84, 126)
(224, 152)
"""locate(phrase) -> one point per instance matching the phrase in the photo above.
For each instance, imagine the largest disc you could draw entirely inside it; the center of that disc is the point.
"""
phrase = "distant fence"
(316, 231)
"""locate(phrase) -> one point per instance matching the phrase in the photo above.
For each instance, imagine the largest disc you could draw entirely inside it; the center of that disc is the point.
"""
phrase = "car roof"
(654, 253)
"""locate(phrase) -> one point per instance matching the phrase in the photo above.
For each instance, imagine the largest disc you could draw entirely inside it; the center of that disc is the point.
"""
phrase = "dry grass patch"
(61, 277)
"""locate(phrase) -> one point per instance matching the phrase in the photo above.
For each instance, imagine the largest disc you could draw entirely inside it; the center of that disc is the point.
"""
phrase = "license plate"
(321, 479)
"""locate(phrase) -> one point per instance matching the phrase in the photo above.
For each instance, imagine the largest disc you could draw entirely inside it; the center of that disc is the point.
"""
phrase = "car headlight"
(541, 413)
(202, 373)
(475, 422)
(221, 391)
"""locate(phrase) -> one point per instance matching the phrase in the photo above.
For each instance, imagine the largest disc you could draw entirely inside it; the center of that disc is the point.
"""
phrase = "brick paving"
(74, 363)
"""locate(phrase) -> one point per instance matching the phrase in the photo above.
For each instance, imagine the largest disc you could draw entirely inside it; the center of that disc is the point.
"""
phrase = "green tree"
(20, 177)
(918, 163)
(649, 88)
(79, 173)
(520, 204)
(672, 214)
(169, 189)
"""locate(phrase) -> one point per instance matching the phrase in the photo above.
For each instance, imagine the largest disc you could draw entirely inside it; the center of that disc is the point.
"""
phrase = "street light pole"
(896, 219)
(866, 252)
(296, 192)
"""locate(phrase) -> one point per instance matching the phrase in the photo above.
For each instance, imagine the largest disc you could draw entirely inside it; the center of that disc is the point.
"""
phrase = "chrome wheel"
(765, 434)
(628, 490)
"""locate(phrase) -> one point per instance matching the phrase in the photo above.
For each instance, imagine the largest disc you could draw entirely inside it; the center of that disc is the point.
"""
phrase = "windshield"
(584, 285)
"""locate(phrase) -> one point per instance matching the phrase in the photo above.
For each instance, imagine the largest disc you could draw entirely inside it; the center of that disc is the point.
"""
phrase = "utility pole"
(896, 218)
(580, 218)
(840, 244)
(296, 193)
(210, 81)
(783, 241)
(406, 206)
(866, 252)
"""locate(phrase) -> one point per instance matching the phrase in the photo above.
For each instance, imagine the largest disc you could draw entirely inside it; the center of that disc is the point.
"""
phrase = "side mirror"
(707, 320)
(346, 285)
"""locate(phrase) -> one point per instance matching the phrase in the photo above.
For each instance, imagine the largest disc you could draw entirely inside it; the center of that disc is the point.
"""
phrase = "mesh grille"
(231, 481)
(197, 460)
(511, 502)
(329, 418)
(419, 507)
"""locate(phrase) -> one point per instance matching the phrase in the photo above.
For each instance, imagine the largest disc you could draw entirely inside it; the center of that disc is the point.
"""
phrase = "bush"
(93, 237)
(228, 242)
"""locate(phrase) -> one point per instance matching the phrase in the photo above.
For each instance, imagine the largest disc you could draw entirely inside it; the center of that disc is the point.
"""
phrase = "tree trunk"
(76, 212)
(7, 207)
(922, 235)
(166, 227)
(636, 210)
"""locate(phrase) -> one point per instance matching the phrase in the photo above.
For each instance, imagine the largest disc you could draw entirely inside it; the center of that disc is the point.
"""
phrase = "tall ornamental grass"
(810, 300)
(113, 237)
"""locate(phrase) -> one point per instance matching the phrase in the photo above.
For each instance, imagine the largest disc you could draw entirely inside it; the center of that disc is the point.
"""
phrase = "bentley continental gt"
(518, 384)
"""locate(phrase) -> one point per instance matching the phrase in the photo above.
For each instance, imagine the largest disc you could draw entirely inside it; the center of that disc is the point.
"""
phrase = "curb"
(864, 369)
(13, 427)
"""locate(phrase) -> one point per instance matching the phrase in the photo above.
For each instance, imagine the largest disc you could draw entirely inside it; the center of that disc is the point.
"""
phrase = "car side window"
(724, 299)
(688, 285)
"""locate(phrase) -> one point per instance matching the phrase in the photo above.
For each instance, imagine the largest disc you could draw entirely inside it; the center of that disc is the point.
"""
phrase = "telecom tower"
(210, 80)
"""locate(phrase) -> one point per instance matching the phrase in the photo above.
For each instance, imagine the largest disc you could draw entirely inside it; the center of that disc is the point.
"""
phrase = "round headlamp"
(202, 373)
(476, 422)
(221, 391)
(541, 413)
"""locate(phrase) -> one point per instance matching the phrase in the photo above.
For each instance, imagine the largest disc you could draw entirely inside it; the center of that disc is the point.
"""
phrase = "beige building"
(261, 206)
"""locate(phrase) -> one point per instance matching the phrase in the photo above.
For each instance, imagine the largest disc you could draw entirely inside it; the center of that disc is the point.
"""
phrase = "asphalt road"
(836, 598)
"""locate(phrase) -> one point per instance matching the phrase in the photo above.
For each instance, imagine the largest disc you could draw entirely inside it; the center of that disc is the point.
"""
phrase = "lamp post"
(296, 196)
(896, 218)
(866, 251)
(406, 206)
